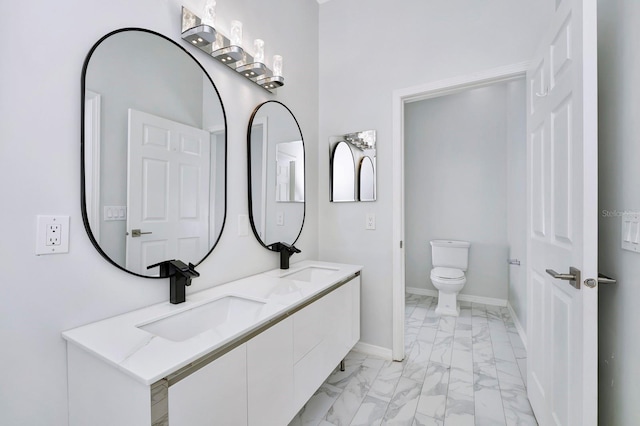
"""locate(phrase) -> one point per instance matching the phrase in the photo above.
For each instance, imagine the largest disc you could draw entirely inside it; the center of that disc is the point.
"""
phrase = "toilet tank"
(450, 254)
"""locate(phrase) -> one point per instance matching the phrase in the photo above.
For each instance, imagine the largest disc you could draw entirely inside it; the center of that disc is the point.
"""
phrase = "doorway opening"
(401, 99)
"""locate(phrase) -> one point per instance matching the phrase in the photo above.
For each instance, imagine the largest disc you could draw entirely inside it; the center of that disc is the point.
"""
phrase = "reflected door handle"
(136, 233)
(573, 276)
(602, 279)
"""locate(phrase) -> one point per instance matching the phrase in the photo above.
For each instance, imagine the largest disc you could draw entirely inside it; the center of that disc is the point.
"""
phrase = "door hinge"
(400, 243)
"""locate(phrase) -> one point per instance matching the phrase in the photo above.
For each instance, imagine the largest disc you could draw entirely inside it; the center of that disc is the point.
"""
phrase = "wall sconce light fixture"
(229, 51)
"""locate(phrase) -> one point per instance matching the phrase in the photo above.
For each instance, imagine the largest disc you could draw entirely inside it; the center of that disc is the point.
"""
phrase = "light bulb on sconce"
(188, 20)
(277, 66)
(236, 33)
(258, 50)
(218, 43)
(209, 13)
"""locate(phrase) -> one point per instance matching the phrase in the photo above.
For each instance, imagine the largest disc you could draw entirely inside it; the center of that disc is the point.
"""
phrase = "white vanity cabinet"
(261, 377)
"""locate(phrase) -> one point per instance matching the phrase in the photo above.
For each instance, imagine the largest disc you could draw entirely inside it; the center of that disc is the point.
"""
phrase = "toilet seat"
(447, 274)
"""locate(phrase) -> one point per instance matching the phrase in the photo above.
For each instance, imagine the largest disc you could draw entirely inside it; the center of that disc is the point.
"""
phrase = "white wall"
(619, 181)
(40, 171)
(517, 197)
(456, 185)
(368, 49)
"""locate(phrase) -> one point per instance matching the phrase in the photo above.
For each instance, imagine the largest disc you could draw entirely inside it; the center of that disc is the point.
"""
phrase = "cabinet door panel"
(338, 313)
(313, 324)
(214, 395)
(270, 376)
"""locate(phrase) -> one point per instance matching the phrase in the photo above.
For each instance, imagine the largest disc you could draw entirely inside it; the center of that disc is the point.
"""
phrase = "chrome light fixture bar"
(220, 47)
(362, 140)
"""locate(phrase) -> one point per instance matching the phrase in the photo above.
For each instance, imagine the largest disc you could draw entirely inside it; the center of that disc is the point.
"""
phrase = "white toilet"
(450, 260)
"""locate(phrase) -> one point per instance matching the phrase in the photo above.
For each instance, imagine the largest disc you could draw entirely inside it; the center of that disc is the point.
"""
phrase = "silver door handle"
(136, 233)
(602, 279)
(573, 276)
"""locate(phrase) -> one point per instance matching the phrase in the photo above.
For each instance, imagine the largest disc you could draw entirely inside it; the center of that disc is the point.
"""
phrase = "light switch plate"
(52, 235)
(115, 213)
(631, 232)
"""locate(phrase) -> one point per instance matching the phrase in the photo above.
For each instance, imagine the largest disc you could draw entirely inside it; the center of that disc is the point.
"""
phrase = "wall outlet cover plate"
(52, 235)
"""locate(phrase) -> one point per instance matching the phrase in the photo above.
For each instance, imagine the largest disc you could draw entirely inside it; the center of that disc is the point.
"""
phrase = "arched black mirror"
(276, 177)
(153, 152)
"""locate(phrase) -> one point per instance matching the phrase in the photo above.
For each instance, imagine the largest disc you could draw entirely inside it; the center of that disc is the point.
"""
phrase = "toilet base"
(448, 304)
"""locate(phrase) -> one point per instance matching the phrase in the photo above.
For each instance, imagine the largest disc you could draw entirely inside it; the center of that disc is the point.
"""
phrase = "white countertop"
(149, 358)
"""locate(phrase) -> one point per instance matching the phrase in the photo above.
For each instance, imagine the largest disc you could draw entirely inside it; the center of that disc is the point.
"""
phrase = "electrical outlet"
(280, 219)
(52, 234)
(371, 221)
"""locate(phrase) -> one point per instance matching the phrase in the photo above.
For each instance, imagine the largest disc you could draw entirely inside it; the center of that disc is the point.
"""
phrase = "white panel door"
(168, 191)
(562, 218)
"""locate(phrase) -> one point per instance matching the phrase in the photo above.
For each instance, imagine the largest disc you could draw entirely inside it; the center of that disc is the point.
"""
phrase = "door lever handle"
(602, 279)
(573, 276)
(136, 233)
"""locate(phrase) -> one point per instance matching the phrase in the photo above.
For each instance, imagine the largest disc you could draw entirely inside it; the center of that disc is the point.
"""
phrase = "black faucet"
(179, 275)
(286, 251)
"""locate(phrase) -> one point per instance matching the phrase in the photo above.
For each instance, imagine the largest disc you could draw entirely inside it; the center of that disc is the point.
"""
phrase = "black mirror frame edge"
(83, 195)
(304, 213)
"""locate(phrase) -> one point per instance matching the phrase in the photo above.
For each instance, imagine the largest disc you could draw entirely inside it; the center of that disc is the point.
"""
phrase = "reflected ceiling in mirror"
(153, 152)
(276, 174)
(345, 153)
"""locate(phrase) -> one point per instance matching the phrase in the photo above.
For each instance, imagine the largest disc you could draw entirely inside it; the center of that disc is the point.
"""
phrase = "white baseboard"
(463, 297)
(516, 321)
(421, 291)
(377, 351)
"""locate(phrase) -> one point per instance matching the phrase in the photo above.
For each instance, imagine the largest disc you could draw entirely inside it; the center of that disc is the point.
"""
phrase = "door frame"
(92, 104)
(399, 99)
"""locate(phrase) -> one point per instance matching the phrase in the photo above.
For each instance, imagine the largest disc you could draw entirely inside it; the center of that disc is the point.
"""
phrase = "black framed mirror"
(276, 164)
(153, 152)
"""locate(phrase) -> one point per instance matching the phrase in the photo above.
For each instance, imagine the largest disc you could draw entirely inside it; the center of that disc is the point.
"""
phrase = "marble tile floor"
(468, 370)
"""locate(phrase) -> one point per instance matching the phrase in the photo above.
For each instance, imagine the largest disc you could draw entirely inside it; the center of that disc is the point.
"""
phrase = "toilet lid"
(447, 273)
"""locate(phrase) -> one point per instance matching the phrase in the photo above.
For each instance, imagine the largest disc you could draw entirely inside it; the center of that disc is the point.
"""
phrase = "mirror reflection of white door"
(285, 177)
(562, 219)
(168, 191)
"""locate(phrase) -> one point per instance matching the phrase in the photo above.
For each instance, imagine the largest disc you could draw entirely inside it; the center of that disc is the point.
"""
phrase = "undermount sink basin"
(310, 273)
(226, 315)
